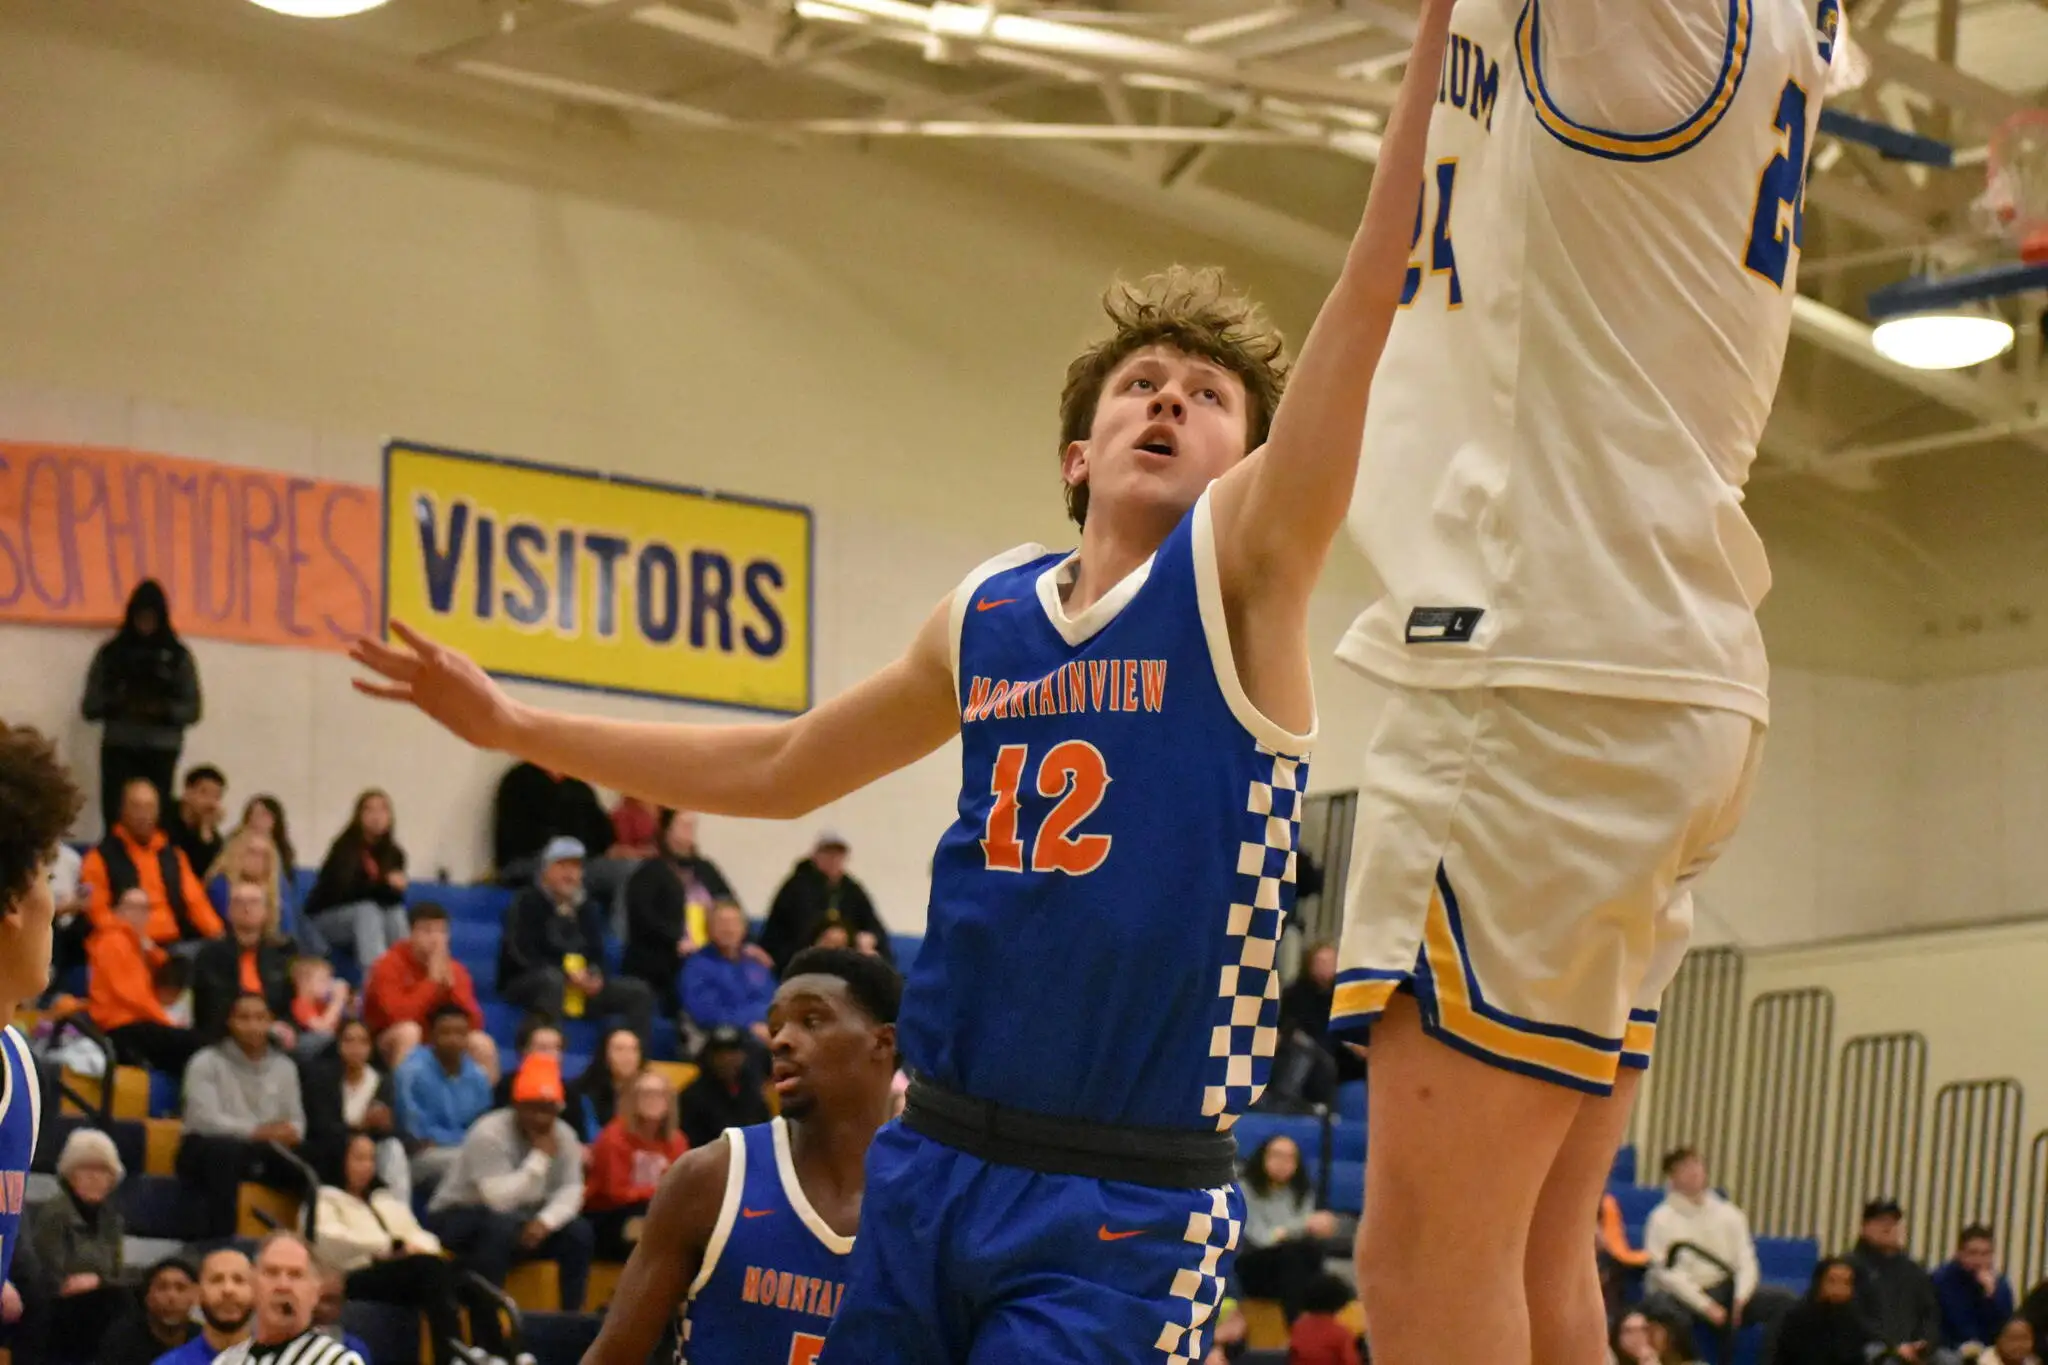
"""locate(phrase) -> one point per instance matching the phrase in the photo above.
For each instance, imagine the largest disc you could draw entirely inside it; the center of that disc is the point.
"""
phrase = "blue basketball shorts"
(960, 1261)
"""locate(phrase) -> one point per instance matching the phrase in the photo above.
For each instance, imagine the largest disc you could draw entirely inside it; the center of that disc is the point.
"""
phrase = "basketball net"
(2016, 189)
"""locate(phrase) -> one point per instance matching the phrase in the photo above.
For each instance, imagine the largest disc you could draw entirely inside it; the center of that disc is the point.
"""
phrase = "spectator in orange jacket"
(136, 854)
(121, 994)
(415, 978)
(626, 1162)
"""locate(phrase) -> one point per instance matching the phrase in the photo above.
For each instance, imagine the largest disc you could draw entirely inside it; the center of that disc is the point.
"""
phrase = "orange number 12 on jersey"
(1072, 770)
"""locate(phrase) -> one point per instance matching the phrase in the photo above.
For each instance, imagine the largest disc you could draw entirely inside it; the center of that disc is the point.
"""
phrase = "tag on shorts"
(1443, 625)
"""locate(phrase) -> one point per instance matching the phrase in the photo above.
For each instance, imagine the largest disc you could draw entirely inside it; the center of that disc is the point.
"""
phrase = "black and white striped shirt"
(310, 1347)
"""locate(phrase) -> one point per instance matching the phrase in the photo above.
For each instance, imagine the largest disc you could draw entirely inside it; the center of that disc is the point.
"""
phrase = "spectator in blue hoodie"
(723, 983)
(441, 1091)
(1976, 1301)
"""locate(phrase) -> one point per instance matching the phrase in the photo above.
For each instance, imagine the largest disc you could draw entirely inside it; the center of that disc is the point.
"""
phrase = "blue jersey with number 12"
(21, 1115)
(1106, 908)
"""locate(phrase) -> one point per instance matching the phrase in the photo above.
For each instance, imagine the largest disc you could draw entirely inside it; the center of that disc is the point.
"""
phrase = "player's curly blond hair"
(1191, 310)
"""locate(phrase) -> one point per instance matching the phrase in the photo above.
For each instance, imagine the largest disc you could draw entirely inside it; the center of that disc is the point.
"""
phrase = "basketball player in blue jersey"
(1096, 999)
(38, 802)
(751, 1234)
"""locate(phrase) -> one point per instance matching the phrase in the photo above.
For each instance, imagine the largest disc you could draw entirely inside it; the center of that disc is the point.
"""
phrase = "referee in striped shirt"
(287, 1289)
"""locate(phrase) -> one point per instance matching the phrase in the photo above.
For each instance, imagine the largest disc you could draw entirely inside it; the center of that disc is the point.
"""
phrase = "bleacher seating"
(1347, 1186)
(1351, 1101)
(153, 1205)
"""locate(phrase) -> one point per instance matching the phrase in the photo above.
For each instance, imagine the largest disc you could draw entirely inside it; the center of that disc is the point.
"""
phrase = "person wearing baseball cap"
(1894, 1295)
(727, 1091)
(515, 1192)
(820, 892)
(552, 956)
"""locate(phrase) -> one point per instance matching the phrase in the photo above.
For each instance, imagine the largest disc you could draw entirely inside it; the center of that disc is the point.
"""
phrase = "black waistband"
(1166, 1158)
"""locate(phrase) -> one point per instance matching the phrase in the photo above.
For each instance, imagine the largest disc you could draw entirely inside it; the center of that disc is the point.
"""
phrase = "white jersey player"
(1594, 320)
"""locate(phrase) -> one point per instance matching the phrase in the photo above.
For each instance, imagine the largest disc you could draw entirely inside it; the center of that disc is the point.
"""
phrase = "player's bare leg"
(1460, 1154)
(1567, 1315)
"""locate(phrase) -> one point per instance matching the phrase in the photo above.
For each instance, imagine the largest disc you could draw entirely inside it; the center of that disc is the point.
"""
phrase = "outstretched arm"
(1277, 512)
(772, 771)
(667, 1258)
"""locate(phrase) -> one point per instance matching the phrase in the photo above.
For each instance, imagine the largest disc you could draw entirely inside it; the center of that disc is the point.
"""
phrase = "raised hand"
(445, 683)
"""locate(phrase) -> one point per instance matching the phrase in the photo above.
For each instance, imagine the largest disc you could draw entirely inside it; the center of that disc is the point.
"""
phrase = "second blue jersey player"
(1096, 1000)
(38, 802)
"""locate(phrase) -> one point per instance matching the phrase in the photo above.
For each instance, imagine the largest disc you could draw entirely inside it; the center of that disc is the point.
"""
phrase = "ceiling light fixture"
(1952, 339)
(319, 9)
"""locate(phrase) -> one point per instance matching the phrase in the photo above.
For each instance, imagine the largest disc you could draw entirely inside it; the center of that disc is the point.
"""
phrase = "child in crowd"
(1318, 1338)
(319, 1002)
(172, 978)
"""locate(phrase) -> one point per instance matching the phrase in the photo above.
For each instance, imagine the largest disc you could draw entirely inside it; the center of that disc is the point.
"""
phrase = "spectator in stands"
(193, 822)
(594, 1095)
(161, 1322)
(1305, 1009)
(320, 1001)
(69, 928)
(346, 1096)
(287, 1293)
(537, 1036)
(441, 1092)
(820, 891)
(368, 1235)
(1823, 1328)
(251, 958)
(249, 856)
(329, 1307)
(726, 1093)
(2034, 1308)
(535, 807)
(1976, 1301)
(515, 1192)
(553, 953)
(136, 855)
(145, 688)
(1317, 1337)
(1894, 1296)
(2014, 1345)
(240, 1096)
(1280, 1251)
(1631, 1341)
(1720, 1287)
(668, 909)
(77, 1239)
(415, 978)
(726, 984)
(626, 1163)
(121, 991)
(227, 1300)
(359, 897)
(636, 829)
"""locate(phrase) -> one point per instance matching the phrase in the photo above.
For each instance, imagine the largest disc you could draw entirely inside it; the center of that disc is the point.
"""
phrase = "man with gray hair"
(287, 1292)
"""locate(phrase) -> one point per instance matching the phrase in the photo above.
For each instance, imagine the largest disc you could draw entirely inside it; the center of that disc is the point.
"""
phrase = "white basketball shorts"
(1523, 863)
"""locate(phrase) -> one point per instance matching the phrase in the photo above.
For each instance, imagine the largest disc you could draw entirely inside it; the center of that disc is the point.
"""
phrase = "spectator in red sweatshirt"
(1318, 1337)
(626, 1163)
(412, 980)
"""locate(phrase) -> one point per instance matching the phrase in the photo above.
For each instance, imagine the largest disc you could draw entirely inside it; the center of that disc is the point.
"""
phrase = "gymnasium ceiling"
(1255, 121)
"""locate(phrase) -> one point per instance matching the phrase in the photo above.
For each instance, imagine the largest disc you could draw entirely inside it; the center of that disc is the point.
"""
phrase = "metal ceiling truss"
(1148, 98)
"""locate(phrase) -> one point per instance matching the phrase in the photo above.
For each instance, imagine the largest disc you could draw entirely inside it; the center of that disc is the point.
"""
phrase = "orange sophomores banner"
(245, 554)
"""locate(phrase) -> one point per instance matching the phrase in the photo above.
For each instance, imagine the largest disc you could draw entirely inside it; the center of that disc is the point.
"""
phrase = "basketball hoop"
(2016, 189)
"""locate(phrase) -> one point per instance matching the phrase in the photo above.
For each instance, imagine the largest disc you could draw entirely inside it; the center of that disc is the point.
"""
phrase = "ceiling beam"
(1946, 83)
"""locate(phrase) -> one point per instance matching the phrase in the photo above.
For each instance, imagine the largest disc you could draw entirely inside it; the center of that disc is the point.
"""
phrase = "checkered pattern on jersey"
(1244, 1032)
(1215, 1232)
